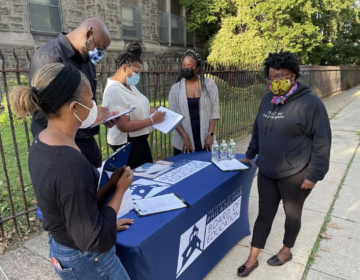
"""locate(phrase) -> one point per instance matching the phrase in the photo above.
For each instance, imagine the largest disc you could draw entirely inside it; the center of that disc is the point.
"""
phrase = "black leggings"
(270, 193)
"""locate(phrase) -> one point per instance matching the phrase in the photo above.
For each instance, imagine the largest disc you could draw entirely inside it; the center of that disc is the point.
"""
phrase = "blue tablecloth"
(186, 244)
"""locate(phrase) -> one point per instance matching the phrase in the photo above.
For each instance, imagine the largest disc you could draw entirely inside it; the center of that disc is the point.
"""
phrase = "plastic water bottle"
(223, 150)
(231, 149)
(215, 151)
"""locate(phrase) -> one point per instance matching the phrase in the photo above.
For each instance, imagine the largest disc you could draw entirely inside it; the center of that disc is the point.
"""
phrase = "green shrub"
(4, 116)
(349, 83)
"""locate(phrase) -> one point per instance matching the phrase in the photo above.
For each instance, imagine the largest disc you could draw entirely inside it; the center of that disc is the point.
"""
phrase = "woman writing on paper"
(197, 99)
(121, 94)
(81, 226)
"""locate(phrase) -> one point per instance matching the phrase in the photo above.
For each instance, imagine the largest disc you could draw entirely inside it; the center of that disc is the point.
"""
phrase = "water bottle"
(231, 149)
(223, 150)
(215, 151)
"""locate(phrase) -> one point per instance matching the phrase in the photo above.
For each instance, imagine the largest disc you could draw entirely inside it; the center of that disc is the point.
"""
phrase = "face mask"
(187, 73)
(95, 55)
(281, 87)
(133, 80)
(89, 121)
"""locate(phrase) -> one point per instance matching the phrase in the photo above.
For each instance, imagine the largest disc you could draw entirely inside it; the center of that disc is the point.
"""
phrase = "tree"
(265, 26)
(247, 30)
(206, 15)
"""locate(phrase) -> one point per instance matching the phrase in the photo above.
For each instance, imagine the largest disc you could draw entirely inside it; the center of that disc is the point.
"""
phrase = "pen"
(116, 169)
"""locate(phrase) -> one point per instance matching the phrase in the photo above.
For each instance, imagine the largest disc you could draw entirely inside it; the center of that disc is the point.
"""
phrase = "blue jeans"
(85, 265)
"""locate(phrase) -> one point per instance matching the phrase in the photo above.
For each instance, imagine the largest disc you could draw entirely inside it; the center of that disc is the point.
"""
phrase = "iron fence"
(241, 88)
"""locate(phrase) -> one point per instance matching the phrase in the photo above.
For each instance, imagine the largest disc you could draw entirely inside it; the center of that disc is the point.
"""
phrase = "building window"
(162, 6)
(163, 26)
(45, 16)
(177, 29)
(175, 7)
(131, 19)
(190, 38)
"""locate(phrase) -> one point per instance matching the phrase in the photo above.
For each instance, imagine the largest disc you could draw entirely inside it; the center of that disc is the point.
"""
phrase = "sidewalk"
(30, 261)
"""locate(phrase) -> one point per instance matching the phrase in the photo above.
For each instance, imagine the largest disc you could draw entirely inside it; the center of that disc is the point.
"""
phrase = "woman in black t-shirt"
(82, 228)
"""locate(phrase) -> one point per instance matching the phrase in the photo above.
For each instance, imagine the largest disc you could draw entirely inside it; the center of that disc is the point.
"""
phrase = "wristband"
(152, 121)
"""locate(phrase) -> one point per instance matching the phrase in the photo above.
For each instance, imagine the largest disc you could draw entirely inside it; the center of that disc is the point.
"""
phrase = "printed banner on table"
(200, 236)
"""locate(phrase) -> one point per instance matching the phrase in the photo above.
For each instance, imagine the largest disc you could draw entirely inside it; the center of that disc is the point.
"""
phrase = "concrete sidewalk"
(31, 261)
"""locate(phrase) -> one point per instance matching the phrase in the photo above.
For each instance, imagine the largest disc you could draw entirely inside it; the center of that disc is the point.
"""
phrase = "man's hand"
(112, 123)
(209, 142)
(103, 114)
(121, 224)
(246, 160)
(307, 185)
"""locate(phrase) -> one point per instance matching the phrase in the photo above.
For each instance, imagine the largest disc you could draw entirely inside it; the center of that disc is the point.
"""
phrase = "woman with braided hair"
(121, 94)
(197, 99)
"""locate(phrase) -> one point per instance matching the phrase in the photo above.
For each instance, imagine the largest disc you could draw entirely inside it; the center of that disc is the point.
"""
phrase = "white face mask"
(89, 121)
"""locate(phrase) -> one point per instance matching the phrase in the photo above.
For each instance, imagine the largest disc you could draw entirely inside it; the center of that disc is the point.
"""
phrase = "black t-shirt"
(65, 186)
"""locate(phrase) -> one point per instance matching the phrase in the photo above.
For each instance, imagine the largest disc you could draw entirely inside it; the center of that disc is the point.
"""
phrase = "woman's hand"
(122, 224)
(115, 177)
(158, 117)
(307, 184)
(209, 142)
(187, 145)
(246, 160)
(111, 123)
(125, 180)
(152, 110)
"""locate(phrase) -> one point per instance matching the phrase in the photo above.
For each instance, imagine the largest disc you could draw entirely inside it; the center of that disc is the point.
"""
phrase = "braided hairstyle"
(199, 63)
(133, 52)
(282, 60)
(52, 86)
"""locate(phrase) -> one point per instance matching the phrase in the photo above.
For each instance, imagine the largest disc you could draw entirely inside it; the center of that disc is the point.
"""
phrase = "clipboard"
(222, 167)
(140, 214)
(115, 117)
(117, 159)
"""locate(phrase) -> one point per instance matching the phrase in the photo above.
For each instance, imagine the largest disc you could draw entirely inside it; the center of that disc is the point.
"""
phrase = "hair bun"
(133, 49)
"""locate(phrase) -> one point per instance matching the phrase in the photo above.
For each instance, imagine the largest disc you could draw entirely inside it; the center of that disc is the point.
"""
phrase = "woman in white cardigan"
(197, 99)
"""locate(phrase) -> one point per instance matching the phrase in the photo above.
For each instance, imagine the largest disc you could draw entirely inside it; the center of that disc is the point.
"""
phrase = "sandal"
(275, 261)
(244, 271)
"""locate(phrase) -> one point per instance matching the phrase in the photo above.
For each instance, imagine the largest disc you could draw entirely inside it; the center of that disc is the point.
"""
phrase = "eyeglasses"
(100, 51)
(136, 71)
(277, 77)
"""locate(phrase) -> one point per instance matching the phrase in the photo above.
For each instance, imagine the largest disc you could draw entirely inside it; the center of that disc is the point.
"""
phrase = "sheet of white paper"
(145, 182)
(158, 204)
(143, 188)
(172, 119)
(116, 116)
(229, 165)
(182, 172)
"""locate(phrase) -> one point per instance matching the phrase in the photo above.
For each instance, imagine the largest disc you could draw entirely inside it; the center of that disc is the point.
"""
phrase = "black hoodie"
(288, 137)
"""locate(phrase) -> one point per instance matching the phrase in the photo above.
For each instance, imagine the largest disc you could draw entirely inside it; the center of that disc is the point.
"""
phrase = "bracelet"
(152, 121)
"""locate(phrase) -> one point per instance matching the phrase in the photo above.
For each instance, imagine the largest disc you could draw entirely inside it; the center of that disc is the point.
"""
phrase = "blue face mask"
(133, 80)
(95, 55)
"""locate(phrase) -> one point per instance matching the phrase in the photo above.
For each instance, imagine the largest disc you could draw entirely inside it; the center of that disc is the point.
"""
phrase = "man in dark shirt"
(74, 48)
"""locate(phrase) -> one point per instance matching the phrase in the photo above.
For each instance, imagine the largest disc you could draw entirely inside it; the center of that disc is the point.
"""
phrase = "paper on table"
(230, 165)
(172, 120)
(156, 168)
(159, 204)
(116, 116)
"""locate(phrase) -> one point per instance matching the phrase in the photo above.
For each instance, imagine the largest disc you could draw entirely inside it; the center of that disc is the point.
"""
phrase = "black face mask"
(187, 73)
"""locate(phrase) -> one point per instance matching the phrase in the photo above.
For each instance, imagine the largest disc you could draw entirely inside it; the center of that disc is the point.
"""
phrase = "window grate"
(177, 29)
(131, 21)
(45, 16)
(163, 24)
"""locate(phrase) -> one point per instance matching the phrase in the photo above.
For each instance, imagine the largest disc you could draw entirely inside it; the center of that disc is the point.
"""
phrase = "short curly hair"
(282, 60)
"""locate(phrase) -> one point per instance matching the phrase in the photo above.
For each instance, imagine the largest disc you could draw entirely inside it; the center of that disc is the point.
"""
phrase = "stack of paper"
(172, 120)
(126, 205)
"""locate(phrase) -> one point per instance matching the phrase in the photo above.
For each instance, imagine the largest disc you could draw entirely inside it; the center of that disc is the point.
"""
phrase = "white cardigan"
(209, 110)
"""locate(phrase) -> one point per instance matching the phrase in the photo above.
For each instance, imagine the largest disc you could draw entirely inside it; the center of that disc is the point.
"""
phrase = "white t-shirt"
(119, 98)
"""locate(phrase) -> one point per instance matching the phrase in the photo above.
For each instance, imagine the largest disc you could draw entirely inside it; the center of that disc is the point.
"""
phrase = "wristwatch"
(211, 134)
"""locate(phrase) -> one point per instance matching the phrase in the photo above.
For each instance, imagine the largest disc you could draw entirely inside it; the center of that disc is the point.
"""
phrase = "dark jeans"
(85, 265)
(270, 193)
(90, 150)
(140, 151)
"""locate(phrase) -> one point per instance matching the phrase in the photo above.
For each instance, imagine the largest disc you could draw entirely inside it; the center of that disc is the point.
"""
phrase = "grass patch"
(327, 218)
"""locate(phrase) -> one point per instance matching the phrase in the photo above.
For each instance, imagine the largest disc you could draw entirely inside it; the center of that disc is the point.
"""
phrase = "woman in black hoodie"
(292, 138)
